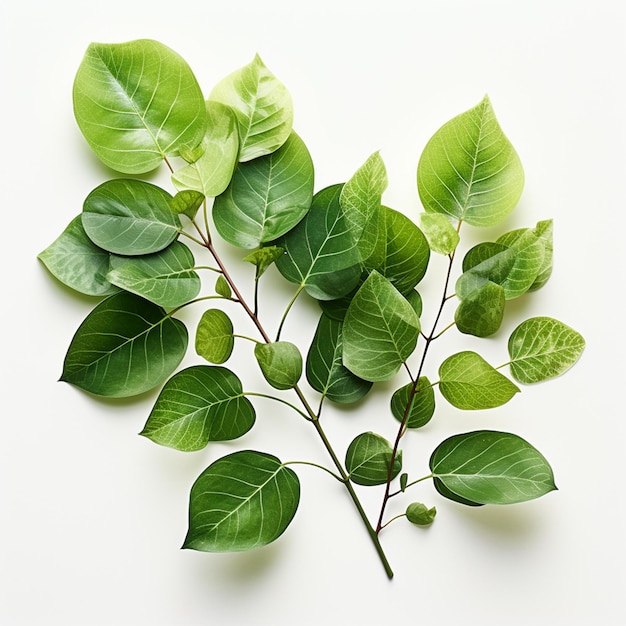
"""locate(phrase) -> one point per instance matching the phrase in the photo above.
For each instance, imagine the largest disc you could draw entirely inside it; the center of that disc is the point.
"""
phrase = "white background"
(92, 516)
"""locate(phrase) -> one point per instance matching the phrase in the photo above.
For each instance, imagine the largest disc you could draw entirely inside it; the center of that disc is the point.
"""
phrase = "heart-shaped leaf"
(469, 170)
(240, 502)
(488, 467)
(199, 404)
(368, 459)
(137, 103)
(125, 346)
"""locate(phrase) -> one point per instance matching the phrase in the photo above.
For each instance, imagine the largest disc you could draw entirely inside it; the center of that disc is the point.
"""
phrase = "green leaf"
(469, 170)
(166, 278)
(320, 253)
(324, 367)
(77, 262)
(214, 337)
(222, 288)
(267, 197)
(380, 330)
(402, 253)
(263, 107)
(368, 458)
(481, 312)
(199, 404)
(242, 501)
(211, 172)
(468, 382)
(422, 403)
(130, 217)
(136, 103)
(280, 363)
(420, 515)
(361, 201)
(187, 202)
(488, 467)
(442, 237)
(263, 257)
(542, 348)
(124, 347)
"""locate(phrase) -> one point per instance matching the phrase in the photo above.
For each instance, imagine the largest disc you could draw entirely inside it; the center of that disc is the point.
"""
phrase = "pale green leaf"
(442, 237)
(222, 288)
(263, 257)
(214, 336)
(187, 202)
(481, 312)
(368, 460)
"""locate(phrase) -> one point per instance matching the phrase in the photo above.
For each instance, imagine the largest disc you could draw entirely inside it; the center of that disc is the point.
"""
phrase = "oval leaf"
(130, 217)
(199, 404)
(482, 311)
(442, 237)
(77, 262)
(214, 337)
(468, 382)
(124, 347)
(267, 196)
(136, 103)
(542, 348)
(166, 278)
(240, 502)
(368, 458)
(280, 363)
(263, 107)
(420, 515)
(380, 330)
(418, 406)
(488, 467)
(469, 170)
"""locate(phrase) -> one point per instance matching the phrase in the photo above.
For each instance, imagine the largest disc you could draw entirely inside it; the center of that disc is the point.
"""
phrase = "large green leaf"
(488, 467)
(77, 262)
(541, 348)
(368, 459)
(280, 363)
(325, 370)
(380, 330)
(242, 501)
(320, 252)
(166, 278)
(125, 346)
(469, 170)
(402, 252)
(130, 217)
(267, 196)
(211, 172)
(199, 404)
(468, 382)
(263, 107)
(214, 337)
(137, 103)
(415, 403)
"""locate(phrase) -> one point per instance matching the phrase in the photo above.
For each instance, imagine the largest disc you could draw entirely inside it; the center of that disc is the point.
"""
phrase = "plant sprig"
(239, 170)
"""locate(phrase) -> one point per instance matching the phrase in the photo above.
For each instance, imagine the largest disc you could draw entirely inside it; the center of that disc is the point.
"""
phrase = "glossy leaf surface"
(136, 103)
(368, 459)
(240, 502)
(542, 348)
(125, 346)
(469, 170)
(199, 404)
(468, 382)
(267, 196)
(488, 467)
(130, 217)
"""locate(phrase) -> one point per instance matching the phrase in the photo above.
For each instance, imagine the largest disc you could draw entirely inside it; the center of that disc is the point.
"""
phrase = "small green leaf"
(199, 404)
(469, 170)
(214, 337)
(422, 403)
(166, 278)
(488, 467)
(468, 382)
(263, 107)
(187, 202)
(222, 288)
(420, 515)
(404, 480)
(267, 196)
(210, 172)
(77, 262)
(280, 363)
(242, 501)
(380, 330)
(263, 257)
(124, 347)
(130, 217)
(324, 367)
(442, 237)
(368, 458)
(481, 312)
(542, 348)
(137, 103)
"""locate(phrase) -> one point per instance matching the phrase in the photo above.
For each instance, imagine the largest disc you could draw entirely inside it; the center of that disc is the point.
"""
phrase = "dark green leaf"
(280, 363)
(368, 459)
(199, 404)
(214, 337)
(420, 515)
(422, 403)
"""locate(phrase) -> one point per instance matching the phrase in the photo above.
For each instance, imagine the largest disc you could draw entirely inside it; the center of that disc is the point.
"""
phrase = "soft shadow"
(509, 523)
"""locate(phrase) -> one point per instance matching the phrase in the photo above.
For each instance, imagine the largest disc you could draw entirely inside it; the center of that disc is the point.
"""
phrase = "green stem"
(413, 482)
(291, 303)
(268, 397)
(335, 476)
